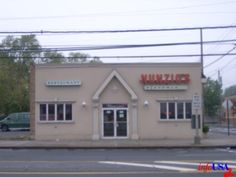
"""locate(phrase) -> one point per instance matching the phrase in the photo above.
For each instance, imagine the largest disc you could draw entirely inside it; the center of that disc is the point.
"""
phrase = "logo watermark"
(216, 166)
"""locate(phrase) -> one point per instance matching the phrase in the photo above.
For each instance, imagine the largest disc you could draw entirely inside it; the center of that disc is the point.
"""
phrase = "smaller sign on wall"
(165, 87)
(196, 103)
(54, 83)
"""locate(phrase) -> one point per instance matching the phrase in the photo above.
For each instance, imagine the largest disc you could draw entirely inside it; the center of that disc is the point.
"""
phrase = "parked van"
(15, 121)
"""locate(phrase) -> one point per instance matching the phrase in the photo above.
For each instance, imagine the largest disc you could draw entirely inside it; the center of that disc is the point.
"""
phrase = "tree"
(95, 60)
(16, 56)
(212, 97)
(53, 57)
(23, 50)
(75, 57)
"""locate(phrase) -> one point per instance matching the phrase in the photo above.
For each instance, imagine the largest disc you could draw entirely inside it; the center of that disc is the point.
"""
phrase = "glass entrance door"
(115, 122)
(108, 123)
(121, 122)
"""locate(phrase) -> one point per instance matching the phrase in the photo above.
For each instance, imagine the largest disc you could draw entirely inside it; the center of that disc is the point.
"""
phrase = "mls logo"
(220, 166)
(229, 173)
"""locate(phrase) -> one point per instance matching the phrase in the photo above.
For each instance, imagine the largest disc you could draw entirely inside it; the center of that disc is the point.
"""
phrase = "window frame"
(165, 114)
(55, 120)
(183, 110)
(188, 118)
(167, 102)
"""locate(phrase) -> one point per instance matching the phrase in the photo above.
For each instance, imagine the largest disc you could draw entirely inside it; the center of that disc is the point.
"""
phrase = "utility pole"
(219, 77)
(221, 99)
(197, 105)
(202, 74)
(201, 50)
(227, 113)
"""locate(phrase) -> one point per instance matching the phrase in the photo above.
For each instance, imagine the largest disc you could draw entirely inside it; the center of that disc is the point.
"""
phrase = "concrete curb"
(101, 145)
(184, 147)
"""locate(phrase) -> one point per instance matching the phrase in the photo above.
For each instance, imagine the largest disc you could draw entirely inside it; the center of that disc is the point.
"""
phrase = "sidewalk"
(212, 141)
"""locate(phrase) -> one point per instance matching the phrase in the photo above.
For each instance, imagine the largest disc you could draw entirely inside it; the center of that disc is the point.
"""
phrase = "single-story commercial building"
(136, 101)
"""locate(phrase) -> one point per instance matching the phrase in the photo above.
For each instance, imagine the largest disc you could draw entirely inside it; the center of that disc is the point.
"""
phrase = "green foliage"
(53, 57)
(96, 60)
(212, 97)
(16, 56)
(77, 57)
(82, 58)
(23, 50)
(205, 129)
(230, 91)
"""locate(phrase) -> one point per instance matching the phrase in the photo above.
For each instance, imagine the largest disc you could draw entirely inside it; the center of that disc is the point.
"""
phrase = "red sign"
(165, 78)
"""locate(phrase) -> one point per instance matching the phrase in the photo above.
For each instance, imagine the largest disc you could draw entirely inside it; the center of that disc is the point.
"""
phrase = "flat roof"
(111, 65)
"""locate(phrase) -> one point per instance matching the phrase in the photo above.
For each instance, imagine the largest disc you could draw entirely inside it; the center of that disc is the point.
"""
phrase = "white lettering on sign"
(196, 103)
(63, 83)
(165, 87)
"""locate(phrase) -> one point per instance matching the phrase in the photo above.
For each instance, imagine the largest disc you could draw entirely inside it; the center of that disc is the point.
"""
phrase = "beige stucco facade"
(112, 84)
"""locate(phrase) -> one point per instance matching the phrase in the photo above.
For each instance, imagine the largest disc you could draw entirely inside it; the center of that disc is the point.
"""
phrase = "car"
(15, 121)
(2, 117)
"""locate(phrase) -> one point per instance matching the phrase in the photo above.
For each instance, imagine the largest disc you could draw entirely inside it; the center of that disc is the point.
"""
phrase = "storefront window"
(62, 112)
(43, 112)
(175, 110)
(180, 110)
(163, 111)
(188, 108)
(51, 112)
(171, 111)
(68, 111)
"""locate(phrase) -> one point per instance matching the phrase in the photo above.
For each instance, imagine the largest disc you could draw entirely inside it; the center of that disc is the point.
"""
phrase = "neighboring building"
(232, 110)
(113, 101)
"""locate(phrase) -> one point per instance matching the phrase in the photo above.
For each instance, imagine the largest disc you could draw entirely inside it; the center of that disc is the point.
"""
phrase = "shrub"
(205, 129)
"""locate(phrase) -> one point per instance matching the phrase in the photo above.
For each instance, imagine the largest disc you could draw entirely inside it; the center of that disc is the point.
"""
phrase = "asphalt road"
(113, 162)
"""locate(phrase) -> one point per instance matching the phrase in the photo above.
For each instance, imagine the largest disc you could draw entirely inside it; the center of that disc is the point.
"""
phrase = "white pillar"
(95, 120)
(134, 134)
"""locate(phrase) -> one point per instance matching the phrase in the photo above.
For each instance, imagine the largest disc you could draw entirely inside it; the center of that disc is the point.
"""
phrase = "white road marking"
(227, 150)
(197, 164)
(178, 162)
(228, 161)
(181, 169)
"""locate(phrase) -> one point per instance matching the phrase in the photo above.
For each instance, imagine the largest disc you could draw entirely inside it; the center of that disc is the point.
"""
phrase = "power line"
(138, 56)
(223, 36)
(212, 73)
(227, 64)
(114, 31)
(220, 57)
(209, 43)
(106, 47)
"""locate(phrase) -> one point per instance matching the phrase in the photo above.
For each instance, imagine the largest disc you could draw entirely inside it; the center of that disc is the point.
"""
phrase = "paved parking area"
(214, 134)
(15, 135)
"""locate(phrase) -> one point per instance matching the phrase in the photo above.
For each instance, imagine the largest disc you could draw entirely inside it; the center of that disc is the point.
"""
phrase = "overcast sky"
(30, 15)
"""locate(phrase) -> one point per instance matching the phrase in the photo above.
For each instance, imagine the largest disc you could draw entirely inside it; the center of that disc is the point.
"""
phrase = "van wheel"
(5, 128)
